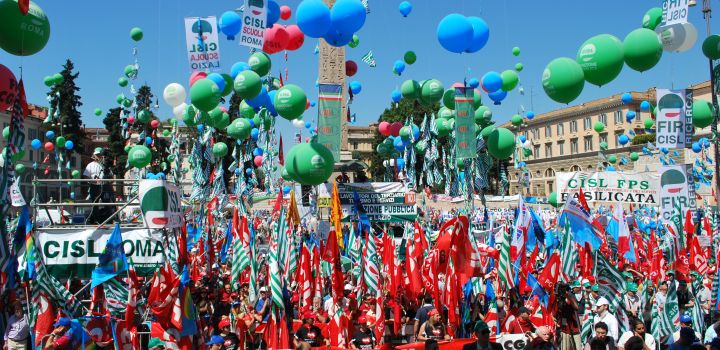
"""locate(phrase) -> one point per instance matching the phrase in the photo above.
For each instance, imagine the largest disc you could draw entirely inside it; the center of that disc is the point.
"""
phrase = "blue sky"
(95, 35)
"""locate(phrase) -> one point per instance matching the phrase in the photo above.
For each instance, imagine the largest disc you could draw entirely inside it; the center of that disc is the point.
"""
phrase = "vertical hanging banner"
(674, 12)
(464, 123)
(677, 191)
(160, 203)
(330, 118)
(254, 18)
(202, 42)
(674, 120)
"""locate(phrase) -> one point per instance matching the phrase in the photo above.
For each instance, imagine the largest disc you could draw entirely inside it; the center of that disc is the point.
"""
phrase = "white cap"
(348, 286)
(263, 289)
(602, 301)
(585, 280)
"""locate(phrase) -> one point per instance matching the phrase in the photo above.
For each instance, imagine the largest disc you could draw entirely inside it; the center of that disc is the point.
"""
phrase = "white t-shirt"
(93, 170)
(649, 340)
(611, 322)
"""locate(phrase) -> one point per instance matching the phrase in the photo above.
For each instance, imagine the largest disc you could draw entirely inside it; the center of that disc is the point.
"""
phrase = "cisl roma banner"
(609, 186)
(464, 123)
(254, 18)
(160, 203)
(330, 118)
(203, 46)
(677, 193)
(674, 127)
(72, 252)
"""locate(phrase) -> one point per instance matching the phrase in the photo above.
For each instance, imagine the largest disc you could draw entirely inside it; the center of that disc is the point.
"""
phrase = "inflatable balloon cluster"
(53, 80)
(457, 33)
(308, 164)
(398, 137)
(337, 26)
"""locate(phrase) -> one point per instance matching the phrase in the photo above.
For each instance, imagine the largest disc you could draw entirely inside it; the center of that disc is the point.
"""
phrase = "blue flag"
(363, 221)
(537, 289)
(489, 291)
(227, 244)
(112, 260)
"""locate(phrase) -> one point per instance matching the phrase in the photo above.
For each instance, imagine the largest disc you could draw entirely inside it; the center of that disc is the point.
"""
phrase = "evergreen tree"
(160, 147)
(64, 100)
(116, 143)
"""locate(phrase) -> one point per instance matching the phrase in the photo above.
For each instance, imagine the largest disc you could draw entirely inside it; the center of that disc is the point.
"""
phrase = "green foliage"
(161, 147)
(643, 139)
(116, 142)
(64, 99)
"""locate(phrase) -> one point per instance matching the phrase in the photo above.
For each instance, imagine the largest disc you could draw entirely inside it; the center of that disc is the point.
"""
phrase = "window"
(603, 118)
(560, 129)
(575, 168)
(31, 154)
(586, 123)
(32, 134)
(561, 148)
(549, 172)
(573, 146)
(618, 117)
(603, 138)
(573, 126)
(536, 133)
(548, 150)
(536, 151)
(548, 131)
(588, 143)
(355, 145)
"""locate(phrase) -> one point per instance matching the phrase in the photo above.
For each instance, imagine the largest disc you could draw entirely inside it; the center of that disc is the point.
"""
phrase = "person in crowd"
(632, 300)
(685, 322)
(714, 344)
(635, 343)
(309, 335)
(594, 295)
(230, 339)
(17, 330)
(603, 314)
(216, 343)
(544, 340)
(156, 344)
(60, 338)
(600, 341)
(685, 297)
(686, 339)
(262, 306)
(568, 321)
(364, 338)
(579, 296)
(482, 332)
(433, 328)
(637, 329)
(522, 323)
(421, 316)
(712, 332)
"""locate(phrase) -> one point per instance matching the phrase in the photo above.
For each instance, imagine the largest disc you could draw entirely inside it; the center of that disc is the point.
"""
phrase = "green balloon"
(127, 103)
(443, 126)
(60, 141)
(239, 129)
(643, 49)
(603, 146)
(266, 118)
(290, 101)
(501, 143)
(48, 81)
(486, 131)
(703, 114)
(223, 121)
(127, 148)
(410, 57)
(18, 156)
(205, 95)
(483, 115)
(130, 71)
(516, 51)
(173, 122)
(527, 152)
(552, 199)
(120, 99)
(139, 156)
(136, 34)
(248, 84)
(260, 63)
(123, 82)
(510, 80)
(229, 84)
(58, 78)
(98, 111)
(612, 159)
(634, 156)
(144, 116)
(601, 58)
(246, 110)
(166, 132)
(477, 99)
(310, 163)
(355, 41)
(220, 149)
(189, 115)
(599, 126)
(214, 115)
(653, 18)
(75, 174)
(20, 168)
(284, 174)
(6, 133)
(432, 91)
(519, 67)
(23, 35)
(516, 120)
(446, 113)
(711, 47)
(406, 132)
(410, 89)
(449, 98)
(421, 147)
(563, 80)
(649, 123)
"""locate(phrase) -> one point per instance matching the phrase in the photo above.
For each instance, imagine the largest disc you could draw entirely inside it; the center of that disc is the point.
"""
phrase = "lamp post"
(707, 14)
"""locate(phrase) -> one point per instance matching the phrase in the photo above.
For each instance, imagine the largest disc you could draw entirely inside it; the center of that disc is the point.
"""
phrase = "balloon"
(601, 58)
(23, 35)
(612, 159)
(8, 83)
(395, 128)
(486, 131)
(336, 38)
(276, 39)
(653, 18)
(449, 98)
(239, 129)
(563, 80)
(230, 24)
(678, 37)
(432, 91)
(630, 116)
(501, 143)
(248, 84)
(603, 146)
(144, 116)
(273, 13)
(149, 140)
(49, 146)
(400, 163)
(696, 147)
(445, 113)
(59, 78)
(290, 101)
(313, 18)
(643, 49)
(50, 135)
(648, 123)
(348, 16)
(444, 127)
(260, 63)
(473, 83)
(516, 51)
(645, 106)
(399, 144)
(492, 81)
(480, 36)
(354, 42)
(285, 12)
(220, 149)
(410, 89)
(405, 8)
(455, 33)
(98, 111)
(355, 87)
(509, 80)
(530, 115)
(131, 71)
(154, 124)
(174, 94)
(483, 115)
(309, 163)
(711, 47)
(703, 114)
(519, 67)
(399, 67)
(69, 144)
(599, 127)
(205, 95)
(626, 98)
(497, 96)
(384, 128)
(218, 80)
(36, 144)
(396, 95)
(405, 132)
(139, 156)
(122, 82)
(516, 120)
(195, 76)
(634, 156)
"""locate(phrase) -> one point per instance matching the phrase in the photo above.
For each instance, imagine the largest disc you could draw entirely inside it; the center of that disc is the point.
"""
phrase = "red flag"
(163, 296)
(133, 291)
(23, 99)
(126, 335)
(689, 226)
(332, 255)
(45, 318)
(411, 270)
(699, 260)
(529, 265)
(182, 247)
(98, 327)
(304, 277)
(550, 273)
(318, 282)
(682, 265)
(420, 240)
(24, 6)
(281, 156)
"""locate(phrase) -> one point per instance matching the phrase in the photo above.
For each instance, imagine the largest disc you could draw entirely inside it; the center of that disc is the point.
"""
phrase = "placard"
(202, 42)
(254, 18)
(674, 127)
(160, 202)
(465, 145)
(330, 118)
(675, 192)
(609, 186)
(674, 11)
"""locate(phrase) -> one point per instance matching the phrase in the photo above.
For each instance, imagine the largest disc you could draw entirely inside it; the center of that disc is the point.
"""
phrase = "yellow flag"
(293, 215)
(336, 215)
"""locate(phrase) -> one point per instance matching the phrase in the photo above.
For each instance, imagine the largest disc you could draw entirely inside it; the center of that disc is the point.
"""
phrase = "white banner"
(674, 120)
(160, 203)
(203, 46)
(254, 19)
(609, 186)
(15, 195)
(674, 11)
(675, 192)
(512, 341)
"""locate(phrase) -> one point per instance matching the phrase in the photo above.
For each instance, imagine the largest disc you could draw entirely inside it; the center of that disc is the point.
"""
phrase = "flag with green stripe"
(611, 285)
(371, 274)
(505, 266)
(666, 317)
(569, 256)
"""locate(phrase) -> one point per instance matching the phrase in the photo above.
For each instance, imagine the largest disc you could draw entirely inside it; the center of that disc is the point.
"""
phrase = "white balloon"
(174, 94)
(690, 37)
(298, 123)
(678, 37)
(179, 110)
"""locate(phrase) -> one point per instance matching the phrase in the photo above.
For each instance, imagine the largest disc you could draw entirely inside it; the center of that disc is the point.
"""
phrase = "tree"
(160, 147)
(116, 143)
(64, 100)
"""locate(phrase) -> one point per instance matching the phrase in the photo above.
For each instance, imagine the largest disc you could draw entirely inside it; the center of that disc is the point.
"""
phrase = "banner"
(674, 12)
(254, 18)
(160, 202)
(382, 201)
(464, 123)
(623, 187)
(512, 341)
(16, 196)
(72, 252)
(677, 191)
(202, 42)
(330, 118)
(674, 119)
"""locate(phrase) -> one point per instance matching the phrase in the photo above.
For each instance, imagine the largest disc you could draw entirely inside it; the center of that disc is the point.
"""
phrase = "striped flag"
(505, 272)
(371, 274)
(611, 285)
(116, 296)
(569, 256)
(698, 318)
(587, 324)
(241, 261)
(666, 317)
(274, 269)
(369, 59)
(355, 252)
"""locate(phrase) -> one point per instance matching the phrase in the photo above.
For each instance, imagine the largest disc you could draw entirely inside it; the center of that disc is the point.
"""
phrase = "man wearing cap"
(99, 191)
(685, 322)
(59, 338)
(522, 323)
(262, 305)
(433, 329)
(364, 338)
(577, 292)
(309, 335)
(156, 344)
(632, 300)
(421, 316)
(594, 295)
(482, 332)
(686, 338)
(230, 340)
(602, 312)
(215, 343)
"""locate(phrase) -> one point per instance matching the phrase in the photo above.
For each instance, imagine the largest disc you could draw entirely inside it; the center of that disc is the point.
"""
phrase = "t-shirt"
(436, 332)
(311, 335)
(93, 170)
(422, 313)
(364, 340)
(230, 342)
(568, 319)
(649, 340)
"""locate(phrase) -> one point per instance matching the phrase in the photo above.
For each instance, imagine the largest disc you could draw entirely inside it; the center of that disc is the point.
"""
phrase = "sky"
(95, 35)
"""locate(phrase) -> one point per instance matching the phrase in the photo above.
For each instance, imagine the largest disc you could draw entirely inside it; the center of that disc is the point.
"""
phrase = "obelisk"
(332, 71)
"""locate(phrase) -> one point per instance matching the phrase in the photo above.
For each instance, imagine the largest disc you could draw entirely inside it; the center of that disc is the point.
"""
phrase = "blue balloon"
(258, 152)
(481, 34)
(399, 67)
(50, 135)
(416, 132)
(461, 175)
(405, 142)
(664, 150)
(348, 16)
(355, 87)
(630, 116)
(259, 100)
(254, 134)
(492, 81)
(237, 171)
(201, 127)
(252, 123)
(405, 8)
(148, 140)
(36, 144)
(400, 163)
(273, 14)
(313, 18)
(72, 195)
(268, 103)
(230, 24)
(498, 96)
(530, 115)
(396, 96)
(248, 171)
(308, 125)
(696, 147)
(312, 103)
(218, 80)
(399, 145)
(473, 83)
(69, 144)
(705, 142)
(337, 38)
(623, 139)
(523, 138)
(286, 189)
(610, 168)
(237, 68)
(626, 98)
(645, 106)
(455, 32)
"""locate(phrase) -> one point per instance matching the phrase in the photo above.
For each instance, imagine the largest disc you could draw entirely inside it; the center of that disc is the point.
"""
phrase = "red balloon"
(8, 88)
(276, 39)
(49, 146)
(395, 128)
(258, 161)
(197, 76)
(297, 37)
(384, 128)
(154, 124)
(131, 120)
(285, 12)
(307, 104)
(350, 68)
